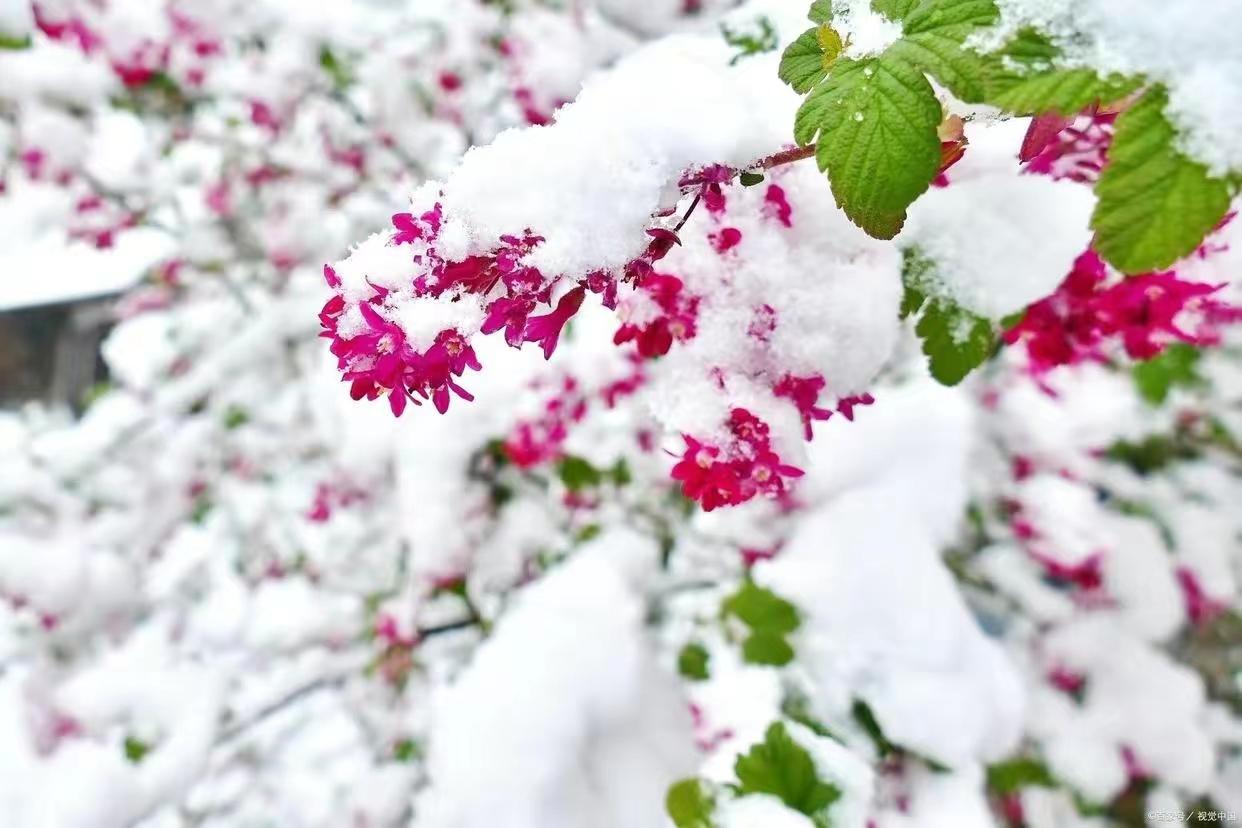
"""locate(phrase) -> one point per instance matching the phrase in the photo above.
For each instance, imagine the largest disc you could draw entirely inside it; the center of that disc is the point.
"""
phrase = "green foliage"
(1175, 365)
(781, 767)
(694, 662)
(338, 72)
(933, 39)
(578, 474)
(235, 417)
(1022, 772)
(406, 750)
(753, 42)
(955, 340)
(876, 123)
(769, 619)
(14, 43)
(750, 179)
(863, 715)
(1155, 204)
(1021, 78)
(689, 804)
(135, 749)
(804, 62)
(1150, 454)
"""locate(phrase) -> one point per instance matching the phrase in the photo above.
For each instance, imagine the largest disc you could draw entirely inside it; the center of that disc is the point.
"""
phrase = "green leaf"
(934, 37)
(894, 10)
(1154, 205)
(863, 715)
(955, 340)
(335, 68)
(1153, 453)
(136, 750)
(804, 62)
(1022, 77)
(821, 12)
(406, 750)
(761, 39)
(694, 662)
(1064, 91)
(577, 474)
(13, 42)
(750, 179)
(941, 54)
(781, 767)
(1022, 772)
(689, 804)
(768, 648)
(769, 618)
(876, 120)
(1175, 365)
(762, 609)
(235, 417)
(948, 15)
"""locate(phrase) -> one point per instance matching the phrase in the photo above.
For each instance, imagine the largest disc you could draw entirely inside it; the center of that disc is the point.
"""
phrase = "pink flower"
(725, 239)
(1201, 608)
(546, 329)
(746, 467)
(1145, 313)
(776, 206)
(676, 321)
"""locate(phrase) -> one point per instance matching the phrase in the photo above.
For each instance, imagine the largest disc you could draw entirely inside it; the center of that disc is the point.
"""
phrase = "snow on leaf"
(1155, 204)
(955, 340)
(781, 767)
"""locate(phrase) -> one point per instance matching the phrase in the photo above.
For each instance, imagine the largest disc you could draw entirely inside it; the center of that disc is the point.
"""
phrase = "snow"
(904, 645)
(1191, 48)
(48, 271)
(602, 733)
(999, 239)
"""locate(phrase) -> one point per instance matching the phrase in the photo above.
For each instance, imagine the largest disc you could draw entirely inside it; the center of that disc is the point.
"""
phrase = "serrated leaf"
(955, 340)
(803, 62)
(946, 15)
(1154, 204)
(1175, 365)
(911, 300)
(694, 662)
(876, 119)
(894, 10)
(941, 53)
(689, 804)
(781, 767)
(1063, 91)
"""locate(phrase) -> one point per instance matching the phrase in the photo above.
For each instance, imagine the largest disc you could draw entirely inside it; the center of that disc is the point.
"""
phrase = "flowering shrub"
(829, 426)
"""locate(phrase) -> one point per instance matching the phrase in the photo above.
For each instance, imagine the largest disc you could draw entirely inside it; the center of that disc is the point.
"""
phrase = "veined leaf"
(876, 120)
(803, 62)
(1155, 204)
